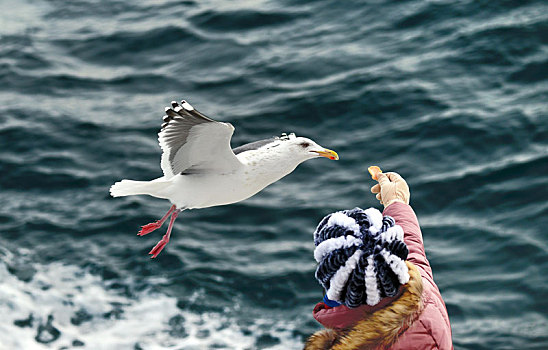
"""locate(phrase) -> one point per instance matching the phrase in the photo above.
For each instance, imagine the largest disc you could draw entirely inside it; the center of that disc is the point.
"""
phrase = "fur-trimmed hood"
(379, 329)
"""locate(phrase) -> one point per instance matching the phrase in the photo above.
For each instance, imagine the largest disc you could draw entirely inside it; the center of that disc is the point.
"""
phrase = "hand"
(391, 188)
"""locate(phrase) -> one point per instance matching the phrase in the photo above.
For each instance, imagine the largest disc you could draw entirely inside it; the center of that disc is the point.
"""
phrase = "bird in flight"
(201, 169)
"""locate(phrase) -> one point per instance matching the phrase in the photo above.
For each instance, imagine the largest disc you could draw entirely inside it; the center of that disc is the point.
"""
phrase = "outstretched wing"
(193, 143)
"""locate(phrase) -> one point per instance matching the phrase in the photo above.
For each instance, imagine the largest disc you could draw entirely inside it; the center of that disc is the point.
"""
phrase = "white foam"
(60, 290)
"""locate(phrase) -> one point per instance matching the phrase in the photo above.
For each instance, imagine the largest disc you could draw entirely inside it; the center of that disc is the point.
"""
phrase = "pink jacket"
(429, 329)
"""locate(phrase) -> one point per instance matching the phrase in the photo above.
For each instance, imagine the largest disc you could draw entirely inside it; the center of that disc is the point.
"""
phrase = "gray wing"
(194, 143)
(254, 145)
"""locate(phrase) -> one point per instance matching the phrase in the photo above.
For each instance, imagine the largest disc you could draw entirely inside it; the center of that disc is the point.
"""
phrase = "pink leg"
(148, 228)
(160, 245)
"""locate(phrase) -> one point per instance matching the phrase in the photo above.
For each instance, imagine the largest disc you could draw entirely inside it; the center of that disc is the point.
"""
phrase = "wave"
(61, 305)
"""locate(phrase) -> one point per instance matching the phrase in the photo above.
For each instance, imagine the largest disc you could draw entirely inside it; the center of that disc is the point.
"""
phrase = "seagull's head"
(307, 149)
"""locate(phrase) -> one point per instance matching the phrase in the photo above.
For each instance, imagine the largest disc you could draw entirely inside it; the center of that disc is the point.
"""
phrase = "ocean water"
(450, 94)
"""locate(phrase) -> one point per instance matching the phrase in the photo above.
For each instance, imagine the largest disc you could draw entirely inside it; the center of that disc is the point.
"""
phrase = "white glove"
(391, 188)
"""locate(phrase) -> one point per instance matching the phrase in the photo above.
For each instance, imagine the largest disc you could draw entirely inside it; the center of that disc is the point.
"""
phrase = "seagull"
(201, 169)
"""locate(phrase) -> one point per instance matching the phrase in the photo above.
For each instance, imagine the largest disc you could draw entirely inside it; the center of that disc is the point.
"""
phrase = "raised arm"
(404, 216)
(393, 192)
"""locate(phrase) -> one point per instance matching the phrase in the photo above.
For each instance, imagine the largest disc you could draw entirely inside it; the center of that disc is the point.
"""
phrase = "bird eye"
(305, 144)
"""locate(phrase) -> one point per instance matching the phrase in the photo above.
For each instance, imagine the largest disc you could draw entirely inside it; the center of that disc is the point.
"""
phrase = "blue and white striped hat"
(361, 256)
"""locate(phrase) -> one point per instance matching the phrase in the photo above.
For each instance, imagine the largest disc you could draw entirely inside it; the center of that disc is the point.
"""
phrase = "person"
(380, 290)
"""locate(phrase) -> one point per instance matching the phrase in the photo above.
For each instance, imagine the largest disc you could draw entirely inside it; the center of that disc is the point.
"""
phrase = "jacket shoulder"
(434, 319)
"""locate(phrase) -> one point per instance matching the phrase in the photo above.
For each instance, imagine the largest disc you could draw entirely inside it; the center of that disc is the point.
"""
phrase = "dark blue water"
(451, 94)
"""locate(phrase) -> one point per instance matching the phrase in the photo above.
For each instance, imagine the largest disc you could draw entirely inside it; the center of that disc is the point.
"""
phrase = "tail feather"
(131, 187)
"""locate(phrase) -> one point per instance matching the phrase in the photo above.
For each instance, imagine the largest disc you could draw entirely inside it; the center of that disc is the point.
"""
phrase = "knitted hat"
(361, 256)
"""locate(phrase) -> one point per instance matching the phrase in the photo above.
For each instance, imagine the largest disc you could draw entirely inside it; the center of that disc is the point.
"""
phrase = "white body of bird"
(201, 169)
(258, 169)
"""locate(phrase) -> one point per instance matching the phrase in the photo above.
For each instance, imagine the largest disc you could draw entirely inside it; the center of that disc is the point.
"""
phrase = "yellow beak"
(327, 153)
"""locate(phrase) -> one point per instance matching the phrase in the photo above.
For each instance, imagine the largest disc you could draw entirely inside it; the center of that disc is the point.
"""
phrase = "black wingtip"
(170, 112)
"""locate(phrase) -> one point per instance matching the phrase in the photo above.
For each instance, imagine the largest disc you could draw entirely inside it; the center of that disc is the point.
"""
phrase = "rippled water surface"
(451, 94)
